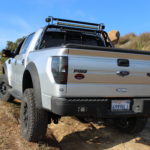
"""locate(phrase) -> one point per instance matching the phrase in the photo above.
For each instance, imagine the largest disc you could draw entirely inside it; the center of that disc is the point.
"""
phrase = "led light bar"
(73, 23)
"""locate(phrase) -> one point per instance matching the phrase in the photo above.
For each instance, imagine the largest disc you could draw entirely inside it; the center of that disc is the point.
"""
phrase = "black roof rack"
(78, 26)
(73, 23)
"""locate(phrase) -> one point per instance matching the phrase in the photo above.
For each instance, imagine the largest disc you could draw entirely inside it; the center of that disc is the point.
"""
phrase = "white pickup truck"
(70, 68)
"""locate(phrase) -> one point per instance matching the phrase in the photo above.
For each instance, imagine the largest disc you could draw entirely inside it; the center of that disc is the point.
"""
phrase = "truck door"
(12, 79)
(19, 65)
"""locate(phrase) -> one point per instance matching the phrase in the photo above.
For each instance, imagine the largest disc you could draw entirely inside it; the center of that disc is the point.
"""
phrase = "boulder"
(114, 36)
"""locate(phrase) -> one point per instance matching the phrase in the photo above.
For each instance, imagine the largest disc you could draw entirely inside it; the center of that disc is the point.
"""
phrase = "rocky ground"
(69, 134)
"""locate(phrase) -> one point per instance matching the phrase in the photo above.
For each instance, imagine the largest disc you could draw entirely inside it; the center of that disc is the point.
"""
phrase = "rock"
(114, 36)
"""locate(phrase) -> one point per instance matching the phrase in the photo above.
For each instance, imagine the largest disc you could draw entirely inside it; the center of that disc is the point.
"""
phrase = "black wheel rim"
(3, 88)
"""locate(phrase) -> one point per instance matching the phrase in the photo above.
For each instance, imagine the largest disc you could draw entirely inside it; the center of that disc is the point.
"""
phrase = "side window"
(17, 50)
(26, 44)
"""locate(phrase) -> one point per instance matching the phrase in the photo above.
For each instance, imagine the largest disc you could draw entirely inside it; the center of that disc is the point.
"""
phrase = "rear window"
(53, 39)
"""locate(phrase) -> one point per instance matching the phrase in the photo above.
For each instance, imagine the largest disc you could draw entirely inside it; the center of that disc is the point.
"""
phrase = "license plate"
(120, 105)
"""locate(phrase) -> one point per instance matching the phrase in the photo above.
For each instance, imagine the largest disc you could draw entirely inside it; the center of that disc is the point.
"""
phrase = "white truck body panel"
(101, 79)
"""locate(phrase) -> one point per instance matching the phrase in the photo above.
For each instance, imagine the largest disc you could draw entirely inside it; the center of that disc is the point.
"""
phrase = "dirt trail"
(69, 134)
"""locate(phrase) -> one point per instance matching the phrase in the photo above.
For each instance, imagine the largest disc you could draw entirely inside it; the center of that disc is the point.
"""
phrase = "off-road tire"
(33, 120)
(130, 125)
(4, 95)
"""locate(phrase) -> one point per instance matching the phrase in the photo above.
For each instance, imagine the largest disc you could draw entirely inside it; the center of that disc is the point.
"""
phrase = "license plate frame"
(120, 105)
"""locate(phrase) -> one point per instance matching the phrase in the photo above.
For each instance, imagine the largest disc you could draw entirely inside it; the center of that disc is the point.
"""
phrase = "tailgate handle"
(123, 62)
(122, 73)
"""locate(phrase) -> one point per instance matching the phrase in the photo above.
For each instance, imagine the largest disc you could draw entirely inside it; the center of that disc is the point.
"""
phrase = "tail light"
(60, 69)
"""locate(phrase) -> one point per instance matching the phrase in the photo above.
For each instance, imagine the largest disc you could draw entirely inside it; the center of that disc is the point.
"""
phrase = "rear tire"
(34, 121)
(4, 95)
(130, 125)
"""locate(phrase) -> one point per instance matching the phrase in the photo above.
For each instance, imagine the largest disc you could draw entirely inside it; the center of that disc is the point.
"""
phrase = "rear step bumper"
(96, 107)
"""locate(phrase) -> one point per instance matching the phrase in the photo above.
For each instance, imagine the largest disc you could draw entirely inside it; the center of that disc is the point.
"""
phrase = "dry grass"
(131, 41)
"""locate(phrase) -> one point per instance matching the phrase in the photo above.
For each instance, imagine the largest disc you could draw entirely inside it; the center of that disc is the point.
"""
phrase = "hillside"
(132, 41)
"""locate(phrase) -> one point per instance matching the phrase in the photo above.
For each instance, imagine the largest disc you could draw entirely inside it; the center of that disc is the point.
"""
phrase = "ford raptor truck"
(71, 68)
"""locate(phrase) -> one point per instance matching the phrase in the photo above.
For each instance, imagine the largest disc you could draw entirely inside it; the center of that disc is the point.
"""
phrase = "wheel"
(4, 95)
(33, 120)
(130, 125)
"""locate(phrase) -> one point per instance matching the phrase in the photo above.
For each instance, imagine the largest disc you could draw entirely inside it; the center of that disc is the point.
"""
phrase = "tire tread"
(38, 119)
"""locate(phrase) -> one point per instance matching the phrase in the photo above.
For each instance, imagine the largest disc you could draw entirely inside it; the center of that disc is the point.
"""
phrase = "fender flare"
(36, 84)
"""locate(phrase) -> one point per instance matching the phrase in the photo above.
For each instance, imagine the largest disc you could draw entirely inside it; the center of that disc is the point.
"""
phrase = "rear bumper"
(97, 108)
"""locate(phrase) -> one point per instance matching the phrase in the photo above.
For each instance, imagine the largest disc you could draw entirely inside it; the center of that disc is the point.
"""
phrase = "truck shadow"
(103, 138)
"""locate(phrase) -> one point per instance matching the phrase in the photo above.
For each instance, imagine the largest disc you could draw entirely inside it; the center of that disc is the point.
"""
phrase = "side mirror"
(7, 53)
(114, 36)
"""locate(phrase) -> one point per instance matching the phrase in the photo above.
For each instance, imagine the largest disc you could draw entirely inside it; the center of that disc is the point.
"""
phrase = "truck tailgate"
(99, 73)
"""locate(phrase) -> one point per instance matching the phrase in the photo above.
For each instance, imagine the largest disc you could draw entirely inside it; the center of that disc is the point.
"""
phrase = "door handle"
(22, 61)
(122, 73)
(9, 61)
(123, 62)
